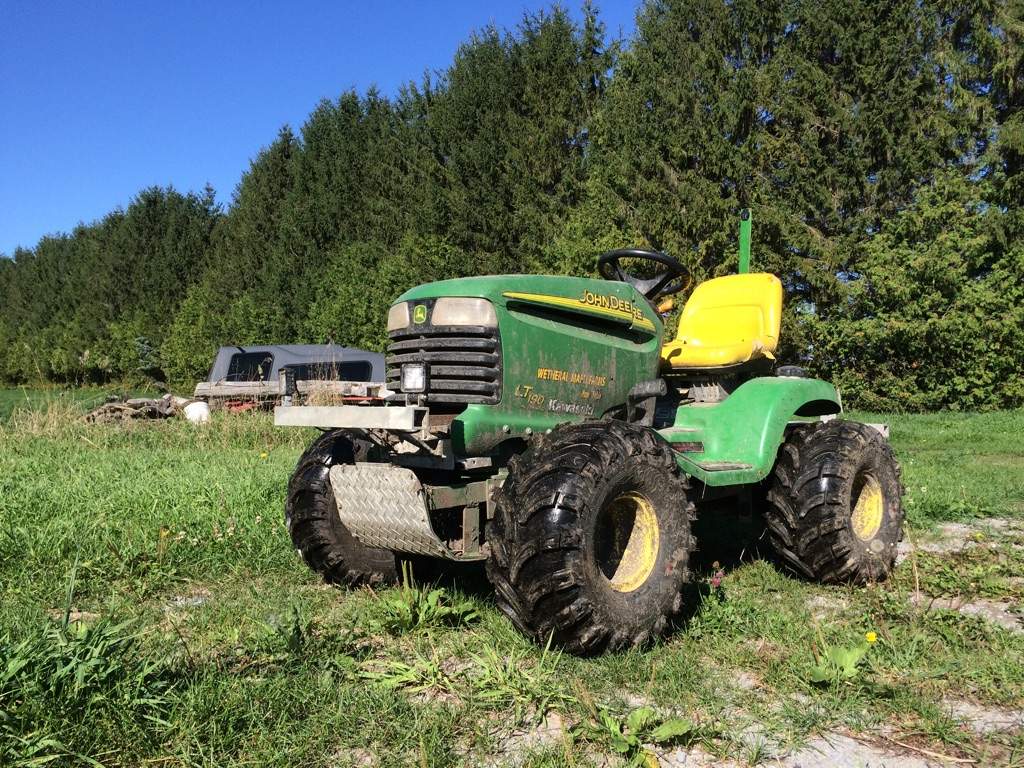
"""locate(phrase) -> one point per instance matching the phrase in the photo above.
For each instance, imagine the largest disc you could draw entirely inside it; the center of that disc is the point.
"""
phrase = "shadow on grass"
(469, 578)
(728, 536)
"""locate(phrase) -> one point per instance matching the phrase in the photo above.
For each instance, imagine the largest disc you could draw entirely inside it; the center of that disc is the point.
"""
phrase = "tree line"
(879, 145)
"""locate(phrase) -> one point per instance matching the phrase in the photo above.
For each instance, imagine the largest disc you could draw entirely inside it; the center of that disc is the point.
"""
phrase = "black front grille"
(463, 362)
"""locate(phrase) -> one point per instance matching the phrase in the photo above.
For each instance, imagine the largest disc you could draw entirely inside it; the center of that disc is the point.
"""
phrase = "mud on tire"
(590, 542)
(312, 518)
(834, 506)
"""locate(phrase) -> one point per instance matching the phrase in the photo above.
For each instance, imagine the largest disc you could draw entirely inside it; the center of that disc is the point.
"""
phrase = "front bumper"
(405, 418)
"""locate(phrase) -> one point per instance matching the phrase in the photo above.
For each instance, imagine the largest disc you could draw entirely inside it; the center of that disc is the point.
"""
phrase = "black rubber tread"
(542, 534)
(317, 532)
(809, 503)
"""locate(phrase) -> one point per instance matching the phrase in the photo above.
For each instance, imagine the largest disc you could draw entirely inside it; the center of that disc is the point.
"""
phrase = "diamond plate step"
(385, 506)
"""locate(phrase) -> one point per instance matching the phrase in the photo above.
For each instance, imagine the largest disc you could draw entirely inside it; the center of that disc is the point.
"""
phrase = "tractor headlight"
(398, 317)
(414, 377)
(453, 310)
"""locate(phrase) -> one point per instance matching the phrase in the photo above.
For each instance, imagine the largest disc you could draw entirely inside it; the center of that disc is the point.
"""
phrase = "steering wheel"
(673, 277)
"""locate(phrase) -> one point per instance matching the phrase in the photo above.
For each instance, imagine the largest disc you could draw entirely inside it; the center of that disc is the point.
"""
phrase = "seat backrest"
(733, 309)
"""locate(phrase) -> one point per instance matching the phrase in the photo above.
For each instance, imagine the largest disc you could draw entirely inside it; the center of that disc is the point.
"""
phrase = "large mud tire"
(835, 512)
(590, 543)
(317, 532)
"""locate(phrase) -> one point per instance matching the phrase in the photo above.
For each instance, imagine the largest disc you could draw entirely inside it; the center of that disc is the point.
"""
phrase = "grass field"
(152, 612)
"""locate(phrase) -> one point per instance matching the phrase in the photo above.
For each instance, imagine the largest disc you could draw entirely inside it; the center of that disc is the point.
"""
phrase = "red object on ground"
(239, 406)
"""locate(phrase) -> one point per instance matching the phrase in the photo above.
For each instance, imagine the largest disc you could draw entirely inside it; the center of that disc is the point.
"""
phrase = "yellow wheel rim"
(866, 519)
(628, 528)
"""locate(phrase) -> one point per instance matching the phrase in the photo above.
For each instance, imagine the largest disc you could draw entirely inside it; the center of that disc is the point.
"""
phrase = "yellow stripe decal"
(631, 317)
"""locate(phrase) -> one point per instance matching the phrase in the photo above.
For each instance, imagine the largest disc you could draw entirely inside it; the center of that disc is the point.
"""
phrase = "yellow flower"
(871, 637)
(263, 455)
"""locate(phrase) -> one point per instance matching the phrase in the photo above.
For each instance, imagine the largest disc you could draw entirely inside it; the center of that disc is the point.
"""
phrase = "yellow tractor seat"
(727, 321)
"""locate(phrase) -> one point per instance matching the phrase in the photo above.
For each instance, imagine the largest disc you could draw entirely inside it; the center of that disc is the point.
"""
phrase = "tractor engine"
(579, 346)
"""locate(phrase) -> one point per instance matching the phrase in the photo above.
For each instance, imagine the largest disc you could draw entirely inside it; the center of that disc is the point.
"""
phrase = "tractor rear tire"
(835, 511)
(311, 514)
(590, 542)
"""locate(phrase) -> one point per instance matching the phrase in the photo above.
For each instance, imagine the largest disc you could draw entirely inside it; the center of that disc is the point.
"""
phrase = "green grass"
(958, 465)
(153, 612)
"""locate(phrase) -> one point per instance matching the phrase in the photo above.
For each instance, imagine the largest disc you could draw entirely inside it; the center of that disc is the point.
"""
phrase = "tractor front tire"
(311, 514)
(835, 511)
(590, 542)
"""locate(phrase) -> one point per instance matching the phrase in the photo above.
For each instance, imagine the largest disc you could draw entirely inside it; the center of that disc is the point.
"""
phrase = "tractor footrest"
(721, 466)
(386, 506)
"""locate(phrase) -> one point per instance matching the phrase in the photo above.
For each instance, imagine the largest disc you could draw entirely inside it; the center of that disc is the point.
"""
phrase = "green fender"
(735, 441)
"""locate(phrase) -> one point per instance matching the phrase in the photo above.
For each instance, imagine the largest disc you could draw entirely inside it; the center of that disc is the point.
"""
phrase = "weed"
(424, 674)
(411, 607)
(516, 682)
(837, 664)
(628, 735)
(290, 634)
(715, 590)
(86, 673)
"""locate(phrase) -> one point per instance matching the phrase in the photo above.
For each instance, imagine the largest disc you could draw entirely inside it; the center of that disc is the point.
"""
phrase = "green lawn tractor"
(544, 425)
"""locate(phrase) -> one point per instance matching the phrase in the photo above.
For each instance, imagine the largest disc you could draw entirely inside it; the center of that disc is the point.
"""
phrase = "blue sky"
(101, 99)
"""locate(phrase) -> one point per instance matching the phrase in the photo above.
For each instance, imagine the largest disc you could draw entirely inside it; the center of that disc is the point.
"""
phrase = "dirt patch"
(950, 538)
(825, 606)
(744, 680)
(999, 612)
(841, 751)
(984, 720)
(1002, 523)
(550, 732)
(74, 616)
(635, 700)
(180, 602)
(765, 650)
(833, 749)
(355, 758)
(693, 757)
(195, 599)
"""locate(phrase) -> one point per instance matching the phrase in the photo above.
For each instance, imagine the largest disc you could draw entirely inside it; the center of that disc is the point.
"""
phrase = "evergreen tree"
(510, 126)
(880, 146)
(936, 318)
